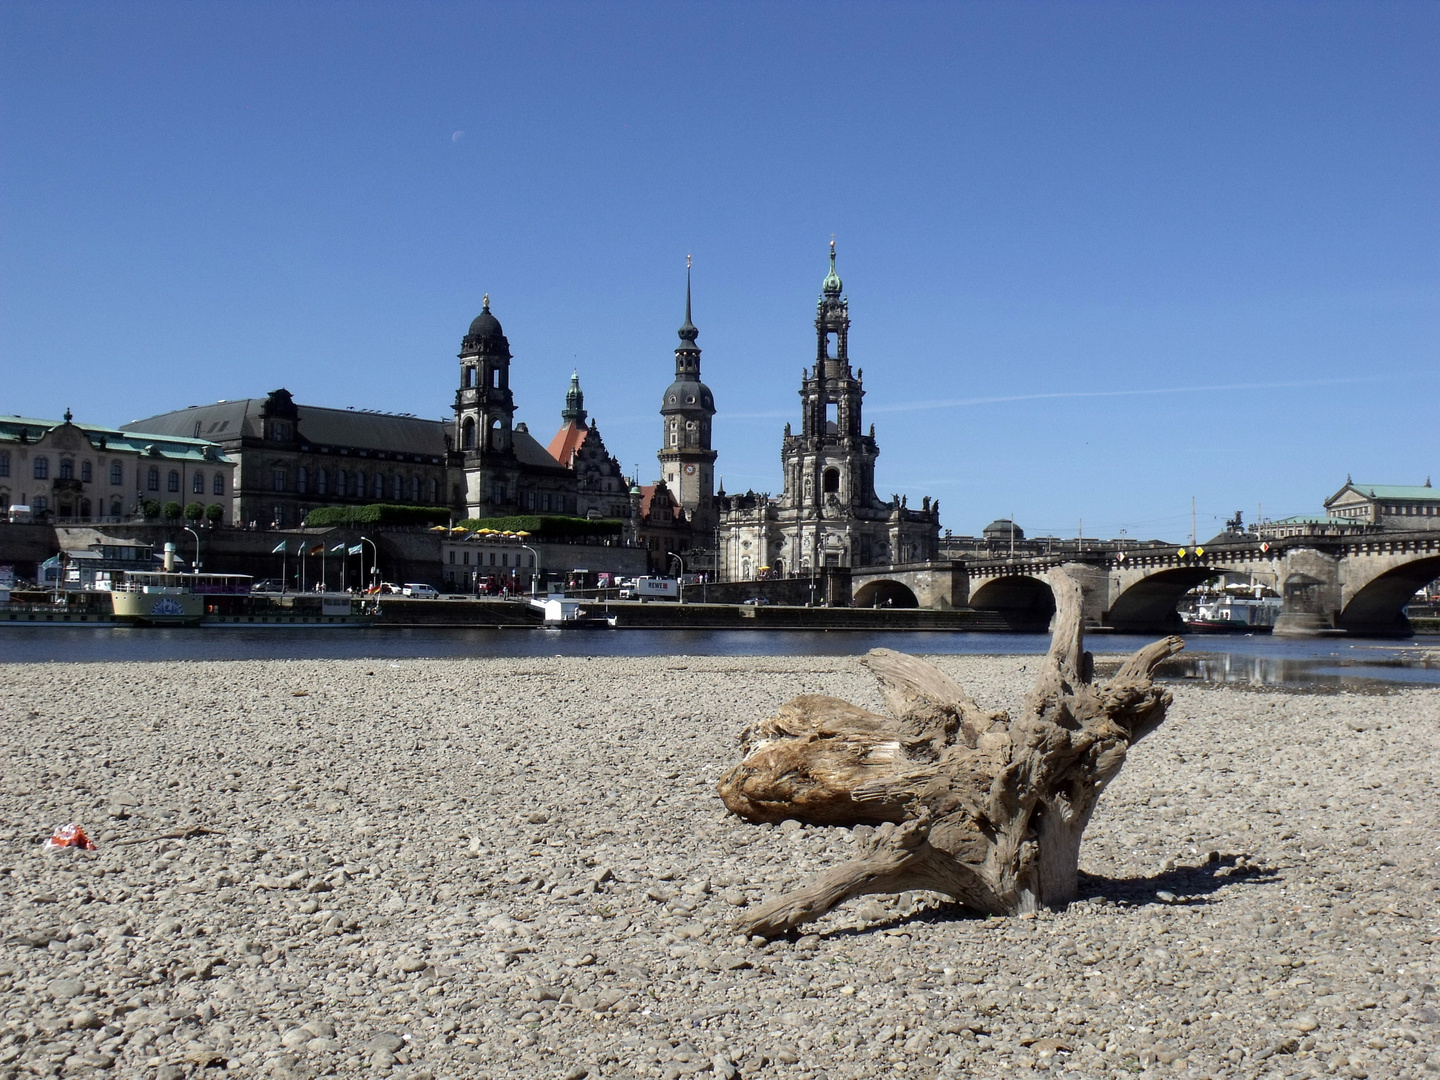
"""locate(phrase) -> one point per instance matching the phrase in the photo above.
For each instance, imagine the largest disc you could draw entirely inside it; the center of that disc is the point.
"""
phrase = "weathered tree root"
(987, 810)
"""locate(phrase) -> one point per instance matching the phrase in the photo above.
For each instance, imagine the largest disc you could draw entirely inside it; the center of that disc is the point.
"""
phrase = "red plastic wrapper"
(70, 836)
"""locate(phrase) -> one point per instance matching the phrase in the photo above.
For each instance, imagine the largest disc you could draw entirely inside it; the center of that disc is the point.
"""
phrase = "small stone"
(1165, 896)
(411, 964)
(295, 1037)
(387, 1042)
(1304, 1022)
(84, 1020)
(723, 1067)
(577, 1072)
(65, 989)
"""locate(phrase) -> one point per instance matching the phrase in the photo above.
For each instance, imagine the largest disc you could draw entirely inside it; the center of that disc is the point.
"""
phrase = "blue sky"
(1101, 257)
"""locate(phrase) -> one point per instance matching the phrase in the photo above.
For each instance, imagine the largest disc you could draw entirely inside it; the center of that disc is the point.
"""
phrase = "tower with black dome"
(484, 406)
(687, 462)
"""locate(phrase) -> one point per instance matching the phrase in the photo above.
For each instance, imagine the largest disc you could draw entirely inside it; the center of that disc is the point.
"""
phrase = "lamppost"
(682, 574)
(374, 561)
(193, 533)
(534, 566)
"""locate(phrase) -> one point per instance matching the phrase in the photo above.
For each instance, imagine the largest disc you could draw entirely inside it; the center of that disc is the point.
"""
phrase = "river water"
(1306, 663)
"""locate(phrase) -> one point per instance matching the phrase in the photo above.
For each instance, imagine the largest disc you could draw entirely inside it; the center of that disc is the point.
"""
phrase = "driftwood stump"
(983, 808)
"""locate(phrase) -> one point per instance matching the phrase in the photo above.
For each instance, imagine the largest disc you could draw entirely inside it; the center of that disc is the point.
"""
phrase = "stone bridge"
(1355, 584)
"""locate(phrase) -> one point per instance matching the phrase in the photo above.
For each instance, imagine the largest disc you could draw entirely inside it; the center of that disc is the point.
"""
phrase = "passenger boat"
(176, 598)
(1222, 613)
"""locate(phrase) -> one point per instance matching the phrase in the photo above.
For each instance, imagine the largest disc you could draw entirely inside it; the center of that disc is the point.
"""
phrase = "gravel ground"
(494, 868)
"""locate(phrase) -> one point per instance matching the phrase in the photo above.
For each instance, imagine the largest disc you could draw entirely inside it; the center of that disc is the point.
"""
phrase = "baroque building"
(828, 513)
(81, 473)
(601, 488)
(291, 458)
(501, 468)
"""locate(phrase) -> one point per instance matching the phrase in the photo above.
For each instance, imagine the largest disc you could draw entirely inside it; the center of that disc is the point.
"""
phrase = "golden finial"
(486, 302)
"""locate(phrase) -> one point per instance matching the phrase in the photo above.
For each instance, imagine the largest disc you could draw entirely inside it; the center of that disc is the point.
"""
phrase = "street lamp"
(682, 574)
(374, 560)
(193, 533)
(534, 566)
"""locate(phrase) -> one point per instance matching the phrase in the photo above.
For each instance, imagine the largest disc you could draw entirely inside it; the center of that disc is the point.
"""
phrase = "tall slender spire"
(688, 332)
(831, 284)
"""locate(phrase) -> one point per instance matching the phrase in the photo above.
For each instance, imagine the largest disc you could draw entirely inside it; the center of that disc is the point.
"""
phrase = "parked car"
(419, 591)
(268, 585)
(756, 601)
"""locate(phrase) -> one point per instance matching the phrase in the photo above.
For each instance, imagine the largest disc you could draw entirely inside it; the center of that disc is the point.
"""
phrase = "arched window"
(279, 480)
(117, 473)
(359, 489)
(469, 379)
(467, 434)
(4, 462)
(172, 481)
(67, 469)
(434, 491)
(322, 481)
(832, 480)
(414, 489)
(219, 484)
(85, 472)
(42, 468)
(85, 508)
(495, 435)
(4, 500)
(379, 487)
(302, 479)
(152, 479)
(340, 481)
(115, 508)
(397, 488)
(197, 483)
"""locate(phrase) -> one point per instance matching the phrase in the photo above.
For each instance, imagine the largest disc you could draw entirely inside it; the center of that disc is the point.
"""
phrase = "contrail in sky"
(953, 403)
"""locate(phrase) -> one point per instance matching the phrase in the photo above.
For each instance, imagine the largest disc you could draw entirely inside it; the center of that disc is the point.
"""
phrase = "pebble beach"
(519, 868)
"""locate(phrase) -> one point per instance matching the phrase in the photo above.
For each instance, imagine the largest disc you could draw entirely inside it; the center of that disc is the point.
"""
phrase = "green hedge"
(378, 514)
(544, 525)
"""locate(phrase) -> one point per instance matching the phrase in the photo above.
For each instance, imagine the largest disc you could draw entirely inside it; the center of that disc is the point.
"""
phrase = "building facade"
(501, 468)
(1398, 506)
(828, 513)
(81, 473)
(601, 488)
(291, 458)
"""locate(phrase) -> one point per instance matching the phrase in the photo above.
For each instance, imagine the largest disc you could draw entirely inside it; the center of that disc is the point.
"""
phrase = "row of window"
(357, 485)
(504, 558)
(117, 475)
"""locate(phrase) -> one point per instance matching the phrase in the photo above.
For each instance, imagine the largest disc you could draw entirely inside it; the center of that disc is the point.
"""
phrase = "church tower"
(484, 419)
(687, 463)
(830, 465)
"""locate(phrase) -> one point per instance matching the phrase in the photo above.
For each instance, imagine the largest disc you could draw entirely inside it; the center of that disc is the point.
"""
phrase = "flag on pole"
(318, 549)
(355, 550)
(338, 547)
(278, 548)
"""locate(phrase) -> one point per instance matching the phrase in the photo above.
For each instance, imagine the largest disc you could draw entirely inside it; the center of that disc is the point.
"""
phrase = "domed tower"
(484, 419)
(687, 463)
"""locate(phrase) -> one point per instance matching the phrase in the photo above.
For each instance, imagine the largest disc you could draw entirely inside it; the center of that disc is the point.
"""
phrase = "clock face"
(690, 469)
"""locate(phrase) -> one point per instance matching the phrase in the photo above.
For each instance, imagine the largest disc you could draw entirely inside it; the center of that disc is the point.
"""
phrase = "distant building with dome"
(828, 513)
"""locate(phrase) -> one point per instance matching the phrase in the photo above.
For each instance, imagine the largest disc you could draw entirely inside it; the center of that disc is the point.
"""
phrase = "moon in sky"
(456, 137)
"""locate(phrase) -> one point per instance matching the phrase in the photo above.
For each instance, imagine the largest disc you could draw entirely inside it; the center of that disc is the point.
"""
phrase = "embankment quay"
(1354, 584)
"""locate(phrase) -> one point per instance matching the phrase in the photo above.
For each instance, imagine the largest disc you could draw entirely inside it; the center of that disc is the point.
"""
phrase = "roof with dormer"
(1421, 493)
(115, 439)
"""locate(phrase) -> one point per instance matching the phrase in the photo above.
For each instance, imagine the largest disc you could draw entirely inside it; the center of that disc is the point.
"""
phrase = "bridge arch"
(1377, 608)
(1027, 602)
(885, 592)
(1148, 606)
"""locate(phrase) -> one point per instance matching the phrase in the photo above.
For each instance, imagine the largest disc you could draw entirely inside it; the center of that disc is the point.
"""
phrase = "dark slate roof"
(531, 454)
(229, 420)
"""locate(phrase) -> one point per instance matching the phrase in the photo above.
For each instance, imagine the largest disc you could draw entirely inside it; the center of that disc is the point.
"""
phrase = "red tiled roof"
(647, 493)
(566, 441)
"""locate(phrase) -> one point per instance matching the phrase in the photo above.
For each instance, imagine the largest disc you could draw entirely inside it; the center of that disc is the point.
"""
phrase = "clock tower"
(687, 463)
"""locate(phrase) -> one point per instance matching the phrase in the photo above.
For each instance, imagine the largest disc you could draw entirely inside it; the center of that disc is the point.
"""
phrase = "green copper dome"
(832, 283)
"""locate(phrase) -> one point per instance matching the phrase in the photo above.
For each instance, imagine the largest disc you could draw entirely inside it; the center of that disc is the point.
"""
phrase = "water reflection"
(1300, 673)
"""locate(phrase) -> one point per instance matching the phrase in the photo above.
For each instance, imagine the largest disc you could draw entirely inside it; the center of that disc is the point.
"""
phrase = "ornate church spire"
(574, 402)
(832, 285)
(688, 331)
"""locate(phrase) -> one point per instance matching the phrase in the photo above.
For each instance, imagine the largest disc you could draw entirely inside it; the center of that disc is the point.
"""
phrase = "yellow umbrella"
(438, 528)
(459, 529)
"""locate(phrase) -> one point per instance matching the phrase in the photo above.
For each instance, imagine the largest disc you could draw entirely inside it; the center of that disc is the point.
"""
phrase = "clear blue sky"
(1101, 257)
